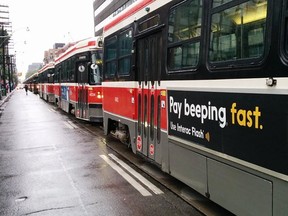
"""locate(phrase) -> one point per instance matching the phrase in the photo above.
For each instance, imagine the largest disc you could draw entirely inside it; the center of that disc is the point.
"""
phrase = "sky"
(49, 22)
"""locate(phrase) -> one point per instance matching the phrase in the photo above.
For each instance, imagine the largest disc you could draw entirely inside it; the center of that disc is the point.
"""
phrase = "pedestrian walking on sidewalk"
(26, 89)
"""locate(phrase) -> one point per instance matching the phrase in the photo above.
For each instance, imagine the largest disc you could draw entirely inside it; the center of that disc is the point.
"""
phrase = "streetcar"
(46, 82)
(77, 79)
(200, 88)
(32, 83)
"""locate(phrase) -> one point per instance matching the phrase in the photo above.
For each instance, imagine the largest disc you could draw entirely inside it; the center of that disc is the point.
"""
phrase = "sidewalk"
(5, 98)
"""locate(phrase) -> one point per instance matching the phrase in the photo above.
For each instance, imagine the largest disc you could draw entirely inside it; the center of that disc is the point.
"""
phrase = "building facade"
(105, 10)
(7, 66)
(34, 67)
(51, 54)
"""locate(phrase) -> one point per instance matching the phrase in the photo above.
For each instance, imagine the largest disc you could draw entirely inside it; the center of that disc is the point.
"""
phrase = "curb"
(6, 97)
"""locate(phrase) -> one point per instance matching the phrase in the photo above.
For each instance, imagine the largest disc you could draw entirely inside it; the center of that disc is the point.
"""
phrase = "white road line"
(70, 125)
(127, 177)
(152, 187)
(51, 110)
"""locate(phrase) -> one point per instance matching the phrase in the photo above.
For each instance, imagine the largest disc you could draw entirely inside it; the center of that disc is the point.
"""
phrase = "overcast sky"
(49, 21)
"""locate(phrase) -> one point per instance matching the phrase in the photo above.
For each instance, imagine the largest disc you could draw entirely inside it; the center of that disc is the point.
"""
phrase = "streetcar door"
(82, 103)
(148, 58)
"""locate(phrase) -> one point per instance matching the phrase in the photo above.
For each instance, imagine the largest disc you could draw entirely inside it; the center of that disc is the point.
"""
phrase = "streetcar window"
(110, 56)
(286, 35)
(149, 23)
(95, 74)
(185, 21)
(96, 68)
(238, 32)
(217, 3)
(70, 69)
(82, 71)
(184, 33)
(59, 73)
(118, 51)
(124, 66)
(111, 68)
(56, 75)
(44, 77)
(285, 32)
(50, 75)
(183, 56)
(124, 51)
(64, 72)
(110, 49)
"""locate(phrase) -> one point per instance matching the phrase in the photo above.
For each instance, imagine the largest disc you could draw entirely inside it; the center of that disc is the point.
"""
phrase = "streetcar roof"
(50, 65)
(132, 13)
(80, 46)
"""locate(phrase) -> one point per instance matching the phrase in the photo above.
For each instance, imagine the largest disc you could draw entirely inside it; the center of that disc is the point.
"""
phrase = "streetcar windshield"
(96, 68)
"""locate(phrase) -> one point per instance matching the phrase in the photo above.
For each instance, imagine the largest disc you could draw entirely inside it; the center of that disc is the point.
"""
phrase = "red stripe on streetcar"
(75, 47)
(69, 52)
(128, 13)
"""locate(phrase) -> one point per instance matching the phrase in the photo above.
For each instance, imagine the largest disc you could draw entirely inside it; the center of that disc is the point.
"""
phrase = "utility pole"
(4, 21)
(1, 82)
(9, 72)
(4, 65)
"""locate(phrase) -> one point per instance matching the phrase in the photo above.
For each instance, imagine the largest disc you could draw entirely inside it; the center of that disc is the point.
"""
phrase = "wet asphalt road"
(50, 165)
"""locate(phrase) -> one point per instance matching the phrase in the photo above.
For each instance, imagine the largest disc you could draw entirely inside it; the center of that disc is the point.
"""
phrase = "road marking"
(127, 177)
(70, 125)
(51, 110)
(66, 171)
(137, 175)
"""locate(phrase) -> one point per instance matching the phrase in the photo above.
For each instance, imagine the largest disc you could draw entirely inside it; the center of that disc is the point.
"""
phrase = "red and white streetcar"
(45, 80)
(199, 87)
(78, 72)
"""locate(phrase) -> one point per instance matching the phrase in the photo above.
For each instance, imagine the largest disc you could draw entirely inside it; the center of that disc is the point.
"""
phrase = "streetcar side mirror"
(94, 66)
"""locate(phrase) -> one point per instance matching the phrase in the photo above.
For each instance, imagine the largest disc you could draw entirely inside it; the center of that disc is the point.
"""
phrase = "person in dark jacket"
(26, 89)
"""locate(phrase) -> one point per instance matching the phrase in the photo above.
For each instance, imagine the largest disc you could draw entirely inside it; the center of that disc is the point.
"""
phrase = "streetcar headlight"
(99, 95)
